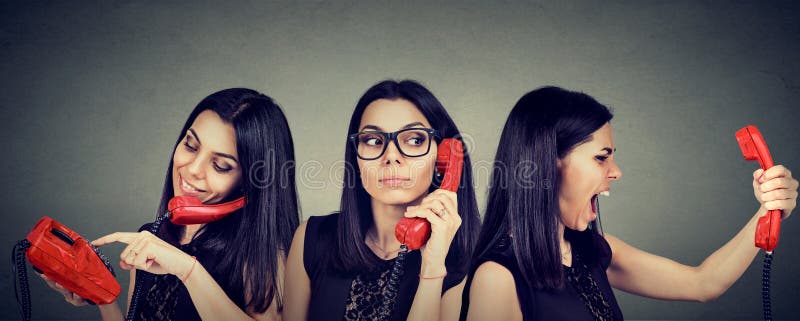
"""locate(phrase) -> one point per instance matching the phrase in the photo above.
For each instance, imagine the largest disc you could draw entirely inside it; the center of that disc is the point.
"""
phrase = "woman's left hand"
(440, 208)
(775, 189)
(148, 252)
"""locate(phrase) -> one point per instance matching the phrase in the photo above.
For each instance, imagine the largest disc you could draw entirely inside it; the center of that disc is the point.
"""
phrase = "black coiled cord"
(765, 297)
(141, 275)
(393, 285)
(21, 290)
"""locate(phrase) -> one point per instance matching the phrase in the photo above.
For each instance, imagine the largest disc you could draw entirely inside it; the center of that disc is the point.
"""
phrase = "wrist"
(432, 258)
(109, 311)
(432, 270)
(188, 265)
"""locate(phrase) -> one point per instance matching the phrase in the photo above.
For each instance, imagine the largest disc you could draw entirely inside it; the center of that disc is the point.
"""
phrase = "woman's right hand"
(440, 208)
(72, 298)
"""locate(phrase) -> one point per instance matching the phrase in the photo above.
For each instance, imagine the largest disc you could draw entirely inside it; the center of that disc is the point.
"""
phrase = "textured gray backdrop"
(92, 96)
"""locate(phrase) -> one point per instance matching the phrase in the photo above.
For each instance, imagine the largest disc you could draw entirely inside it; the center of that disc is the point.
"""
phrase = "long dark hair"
(544, 126)
(248, 242)
(352, 253)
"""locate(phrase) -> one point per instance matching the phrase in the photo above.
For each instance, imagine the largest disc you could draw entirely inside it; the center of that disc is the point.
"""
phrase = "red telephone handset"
(190, 210)
(415, 231)
(755, 148)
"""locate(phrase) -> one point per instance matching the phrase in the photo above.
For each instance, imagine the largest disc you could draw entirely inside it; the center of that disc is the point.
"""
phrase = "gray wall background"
(92, 96)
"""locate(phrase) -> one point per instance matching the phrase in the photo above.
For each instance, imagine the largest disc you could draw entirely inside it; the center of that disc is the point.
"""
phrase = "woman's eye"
(222, 169)
(415, 141)
(373, 141)
(189, 147)
(601, 158)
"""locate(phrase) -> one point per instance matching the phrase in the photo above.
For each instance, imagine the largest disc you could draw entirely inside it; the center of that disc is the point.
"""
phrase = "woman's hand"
(440, 208)
(775, 189)
(72, 298)
(149, 253)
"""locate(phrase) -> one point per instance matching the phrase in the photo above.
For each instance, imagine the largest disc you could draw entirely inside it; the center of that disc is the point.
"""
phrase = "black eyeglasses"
(411, 142)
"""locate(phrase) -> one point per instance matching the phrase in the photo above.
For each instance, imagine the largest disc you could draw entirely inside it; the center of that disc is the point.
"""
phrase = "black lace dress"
(336, 296)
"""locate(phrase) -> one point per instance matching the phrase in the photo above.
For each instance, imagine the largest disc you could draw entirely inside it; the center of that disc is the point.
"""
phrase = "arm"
(211, 301)
(428, 300)
(111, 312)
(147, 252)
(642, 273)
(298, 285)
(272, 312)
(449, 307)
(638, 272)
(493, 295)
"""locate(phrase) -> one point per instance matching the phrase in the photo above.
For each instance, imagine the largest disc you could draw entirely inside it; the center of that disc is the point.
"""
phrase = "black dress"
(358, 296)
(586, 294)
(164, 297)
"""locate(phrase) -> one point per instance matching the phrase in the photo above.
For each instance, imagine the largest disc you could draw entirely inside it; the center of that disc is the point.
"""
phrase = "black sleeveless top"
(357, 296)
(586, 295)
(164, 297)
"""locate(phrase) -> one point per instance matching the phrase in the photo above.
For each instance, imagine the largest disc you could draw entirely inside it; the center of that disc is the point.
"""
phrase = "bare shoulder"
(611, 238)
(493, 282)
(492, 274)
(618, 246)
(493, 294)
(294, 259)
(301, 230)
(299, 237)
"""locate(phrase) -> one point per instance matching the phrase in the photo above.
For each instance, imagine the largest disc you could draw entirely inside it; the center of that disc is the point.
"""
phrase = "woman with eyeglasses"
(349, 265)
(540, 255)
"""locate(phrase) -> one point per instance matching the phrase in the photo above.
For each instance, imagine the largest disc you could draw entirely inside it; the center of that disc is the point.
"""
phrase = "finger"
(778, 194)
(434, 205)
(451, 208)
(449, 199)
(76, 300)
(140, 246)
(757, 174)
(134, 247)
(58, 287)
(128, 254)
(426, 213)
(125, 266)
(446, 192)
(778, 183)
(123, 237)
(143, 254)
(775, 171)
(780, 205)
(52, 284)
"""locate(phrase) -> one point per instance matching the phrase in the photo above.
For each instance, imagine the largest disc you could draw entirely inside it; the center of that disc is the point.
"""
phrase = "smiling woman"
(230, 269)
(206, 168)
